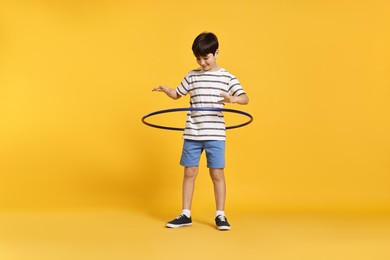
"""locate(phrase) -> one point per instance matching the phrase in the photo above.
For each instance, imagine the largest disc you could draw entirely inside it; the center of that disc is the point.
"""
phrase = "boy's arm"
(241, 99)
(170, 92)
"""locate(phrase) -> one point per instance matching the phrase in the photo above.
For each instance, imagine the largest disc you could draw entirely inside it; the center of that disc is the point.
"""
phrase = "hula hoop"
(196, 109)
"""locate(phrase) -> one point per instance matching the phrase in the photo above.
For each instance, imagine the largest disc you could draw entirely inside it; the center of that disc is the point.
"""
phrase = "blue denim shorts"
(192, 150)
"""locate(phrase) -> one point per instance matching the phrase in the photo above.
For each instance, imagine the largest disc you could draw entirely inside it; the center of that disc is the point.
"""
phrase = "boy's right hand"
(161, 89)
(170, 92)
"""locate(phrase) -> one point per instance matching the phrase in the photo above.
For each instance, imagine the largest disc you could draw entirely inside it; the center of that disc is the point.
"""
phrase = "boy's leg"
(184, 219)
(218, 177)
(215, 152)
(190, 160)
(189, 178)
(190, 156)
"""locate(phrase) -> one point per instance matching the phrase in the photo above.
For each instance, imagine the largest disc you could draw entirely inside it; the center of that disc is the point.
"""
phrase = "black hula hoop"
(196, 109)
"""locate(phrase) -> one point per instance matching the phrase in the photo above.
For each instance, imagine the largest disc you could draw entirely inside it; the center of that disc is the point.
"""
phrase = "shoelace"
(181, 216)
(222, 218)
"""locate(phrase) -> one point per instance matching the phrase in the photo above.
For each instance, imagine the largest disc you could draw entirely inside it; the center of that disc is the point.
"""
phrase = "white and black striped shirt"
(205, 88)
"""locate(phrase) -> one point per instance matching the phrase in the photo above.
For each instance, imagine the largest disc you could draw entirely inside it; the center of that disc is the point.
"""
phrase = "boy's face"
(208, 62)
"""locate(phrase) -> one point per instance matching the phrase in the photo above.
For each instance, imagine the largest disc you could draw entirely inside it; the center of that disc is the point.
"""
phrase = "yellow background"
(76, 78)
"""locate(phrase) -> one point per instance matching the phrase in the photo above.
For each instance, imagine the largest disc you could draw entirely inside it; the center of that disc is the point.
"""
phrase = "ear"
(216, 53)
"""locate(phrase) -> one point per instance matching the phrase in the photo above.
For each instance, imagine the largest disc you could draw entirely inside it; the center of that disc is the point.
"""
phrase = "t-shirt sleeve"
(235, 88)
(183, 88)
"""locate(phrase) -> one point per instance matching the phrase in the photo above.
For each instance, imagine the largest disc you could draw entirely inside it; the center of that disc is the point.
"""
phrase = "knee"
(217, 175)
(190, 172)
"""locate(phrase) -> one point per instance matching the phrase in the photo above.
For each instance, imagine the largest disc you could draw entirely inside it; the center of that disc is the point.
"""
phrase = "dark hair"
(204, 44)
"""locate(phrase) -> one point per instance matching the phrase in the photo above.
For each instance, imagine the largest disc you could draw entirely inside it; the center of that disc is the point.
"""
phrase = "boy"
(208, 86)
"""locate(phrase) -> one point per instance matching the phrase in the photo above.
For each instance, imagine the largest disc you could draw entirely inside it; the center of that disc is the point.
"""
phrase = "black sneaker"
(222, 223)
(180, 221)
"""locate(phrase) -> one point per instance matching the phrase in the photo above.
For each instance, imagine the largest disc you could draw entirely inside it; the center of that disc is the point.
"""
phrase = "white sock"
(220, 213)
(186, 212)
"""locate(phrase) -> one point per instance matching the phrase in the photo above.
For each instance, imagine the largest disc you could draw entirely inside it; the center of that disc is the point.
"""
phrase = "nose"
(202, 62)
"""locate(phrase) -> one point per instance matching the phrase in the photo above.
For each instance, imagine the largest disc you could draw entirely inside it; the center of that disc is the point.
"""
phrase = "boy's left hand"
(227, 98)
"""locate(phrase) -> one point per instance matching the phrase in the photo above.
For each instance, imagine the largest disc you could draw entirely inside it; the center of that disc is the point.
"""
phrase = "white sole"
(177, 226)
(223, 228)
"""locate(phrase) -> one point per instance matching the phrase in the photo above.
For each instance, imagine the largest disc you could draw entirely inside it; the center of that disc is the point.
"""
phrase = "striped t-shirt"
(205, 88)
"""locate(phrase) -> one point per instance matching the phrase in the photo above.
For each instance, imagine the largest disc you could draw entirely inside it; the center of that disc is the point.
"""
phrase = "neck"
(215, 68)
